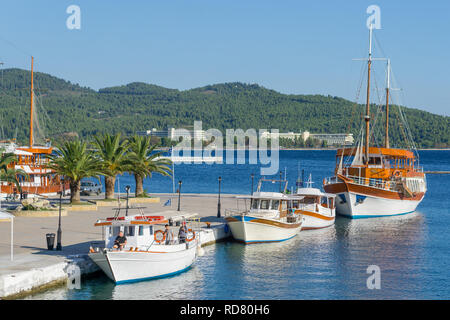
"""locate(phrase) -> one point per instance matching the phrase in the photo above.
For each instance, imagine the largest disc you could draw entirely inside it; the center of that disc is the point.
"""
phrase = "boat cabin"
(383, 163)
(139, 230)
(313, 200)
(266, 204)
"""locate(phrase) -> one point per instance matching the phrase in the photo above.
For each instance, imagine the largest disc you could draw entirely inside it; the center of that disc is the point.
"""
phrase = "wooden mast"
(386, 138)
(31, 105)
(367, 117)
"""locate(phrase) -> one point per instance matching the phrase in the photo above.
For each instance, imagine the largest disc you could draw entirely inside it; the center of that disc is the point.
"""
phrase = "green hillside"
(138, 106)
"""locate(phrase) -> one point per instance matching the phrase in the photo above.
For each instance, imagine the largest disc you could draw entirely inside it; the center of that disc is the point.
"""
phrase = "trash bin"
(50, 240)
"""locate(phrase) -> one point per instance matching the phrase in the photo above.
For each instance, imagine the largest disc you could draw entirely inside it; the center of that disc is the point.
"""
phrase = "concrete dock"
(35, 268)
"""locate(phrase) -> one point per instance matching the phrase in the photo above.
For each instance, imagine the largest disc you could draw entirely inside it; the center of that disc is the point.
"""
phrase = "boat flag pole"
(173, 175)
(388, 71)
(367, 117)
(31, 104)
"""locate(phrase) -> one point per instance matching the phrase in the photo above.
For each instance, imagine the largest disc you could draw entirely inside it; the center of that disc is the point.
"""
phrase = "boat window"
(275, 204)
(116, 231)
(141, 230)
(151, 229)
(375, 160)
(255, 204)
(323, 200)
(130, 231)
(265, 204)
(308, 200)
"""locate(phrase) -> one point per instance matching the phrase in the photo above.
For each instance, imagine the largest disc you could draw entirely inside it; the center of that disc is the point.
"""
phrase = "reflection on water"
(318, 264)
(412, 251)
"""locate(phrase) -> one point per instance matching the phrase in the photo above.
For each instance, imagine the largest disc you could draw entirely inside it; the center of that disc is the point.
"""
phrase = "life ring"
(163, 238)
(396, 174)
(193, 235)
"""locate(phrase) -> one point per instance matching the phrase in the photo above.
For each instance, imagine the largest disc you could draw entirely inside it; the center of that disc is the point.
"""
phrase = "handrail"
(371, 182)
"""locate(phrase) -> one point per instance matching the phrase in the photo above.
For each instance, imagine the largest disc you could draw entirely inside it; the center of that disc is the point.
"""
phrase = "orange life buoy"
(163, 238)
(193, 236)
(396, 174)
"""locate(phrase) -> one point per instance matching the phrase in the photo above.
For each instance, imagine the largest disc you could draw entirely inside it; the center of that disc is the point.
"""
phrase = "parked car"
(89, 188)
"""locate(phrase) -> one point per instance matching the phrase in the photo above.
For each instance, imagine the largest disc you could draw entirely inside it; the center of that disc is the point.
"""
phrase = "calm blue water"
(412, 251)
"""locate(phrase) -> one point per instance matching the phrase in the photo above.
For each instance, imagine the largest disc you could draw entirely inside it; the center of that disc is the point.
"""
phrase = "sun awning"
(19, 152)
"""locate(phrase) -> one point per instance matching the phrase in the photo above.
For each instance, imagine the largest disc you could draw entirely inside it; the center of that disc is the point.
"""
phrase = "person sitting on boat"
(168, 234)
(120, 241)
(182, 233)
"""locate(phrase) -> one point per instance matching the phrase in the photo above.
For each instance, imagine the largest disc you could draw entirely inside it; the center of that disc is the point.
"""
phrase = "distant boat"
(31, 159)
(376, 181)
(269, 219)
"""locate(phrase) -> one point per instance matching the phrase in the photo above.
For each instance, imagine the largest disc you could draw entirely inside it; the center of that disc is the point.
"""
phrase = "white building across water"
(330, 138)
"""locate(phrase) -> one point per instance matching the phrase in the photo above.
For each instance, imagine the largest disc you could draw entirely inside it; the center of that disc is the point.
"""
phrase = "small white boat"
(269, 219)
(145, 255)
(317, 208)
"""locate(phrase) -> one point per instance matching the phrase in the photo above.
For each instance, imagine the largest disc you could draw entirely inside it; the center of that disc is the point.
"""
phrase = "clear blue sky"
(302, 47)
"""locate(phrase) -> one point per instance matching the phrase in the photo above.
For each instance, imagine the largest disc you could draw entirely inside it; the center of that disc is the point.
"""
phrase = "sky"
(294, 47)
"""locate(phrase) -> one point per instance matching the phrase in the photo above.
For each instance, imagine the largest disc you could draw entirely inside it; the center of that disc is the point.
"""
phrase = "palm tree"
(112, 155)
(10, 174)
(74, 162)
(142, 161)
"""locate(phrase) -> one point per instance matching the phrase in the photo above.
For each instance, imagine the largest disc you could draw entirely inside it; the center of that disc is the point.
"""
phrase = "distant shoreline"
(304, 149)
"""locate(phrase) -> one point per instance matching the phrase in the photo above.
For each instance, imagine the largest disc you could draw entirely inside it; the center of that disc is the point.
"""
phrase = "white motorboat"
(146, 255)
(269, 218)
(317, 208)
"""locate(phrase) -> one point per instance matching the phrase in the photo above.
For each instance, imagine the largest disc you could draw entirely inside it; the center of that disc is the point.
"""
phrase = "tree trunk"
(75, 187)
(109, 187)
(139, 185)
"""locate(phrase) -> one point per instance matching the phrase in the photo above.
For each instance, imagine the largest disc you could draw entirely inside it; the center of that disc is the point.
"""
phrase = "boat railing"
(368, 182)
(97, 246)
(307, 206)
(235, 212)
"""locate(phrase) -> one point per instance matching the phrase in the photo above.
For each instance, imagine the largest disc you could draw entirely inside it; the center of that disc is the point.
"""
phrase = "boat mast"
(367, 117)
(31, 104)
(386, 138)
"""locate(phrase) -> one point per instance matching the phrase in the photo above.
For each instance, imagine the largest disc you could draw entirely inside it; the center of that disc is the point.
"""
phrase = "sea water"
(411, 251)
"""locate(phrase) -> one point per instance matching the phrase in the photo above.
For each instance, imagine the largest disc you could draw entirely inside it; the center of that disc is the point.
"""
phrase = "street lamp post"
(127, 189)
(179, 193)
(59, 232)
(218, 203)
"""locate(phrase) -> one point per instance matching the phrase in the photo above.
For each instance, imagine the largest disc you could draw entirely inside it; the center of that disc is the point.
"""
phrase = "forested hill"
(138, 106)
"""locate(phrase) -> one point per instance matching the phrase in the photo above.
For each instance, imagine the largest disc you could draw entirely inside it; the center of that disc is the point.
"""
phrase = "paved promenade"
(30, 247)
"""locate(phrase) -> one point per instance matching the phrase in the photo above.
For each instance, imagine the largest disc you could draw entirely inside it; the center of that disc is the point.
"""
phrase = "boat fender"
(193, 235)
(163, 236)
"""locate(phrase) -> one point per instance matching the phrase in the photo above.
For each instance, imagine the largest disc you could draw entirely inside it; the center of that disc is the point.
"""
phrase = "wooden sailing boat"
(372, 181)
(33, 160)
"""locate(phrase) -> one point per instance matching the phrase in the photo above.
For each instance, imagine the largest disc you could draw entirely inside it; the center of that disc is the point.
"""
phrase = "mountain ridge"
(139, 106)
